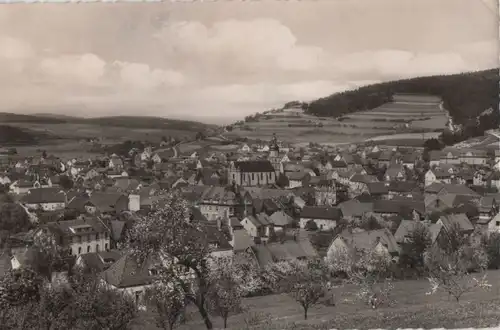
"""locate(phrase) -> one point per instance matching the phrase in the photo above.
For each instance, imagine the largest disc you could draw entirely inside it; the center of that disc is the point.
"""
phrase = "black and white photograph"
(250, 165)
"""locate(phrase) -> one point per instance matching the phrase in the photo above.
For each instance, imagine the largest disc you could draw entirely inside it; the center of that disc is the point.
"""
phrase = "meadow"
(390, 119)
(412, 308)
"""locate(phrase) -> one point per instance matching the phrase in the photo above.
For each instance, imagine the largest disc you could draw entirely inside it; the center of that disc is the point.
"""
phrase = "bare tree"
(368, 270)
(450, 271)
(178, 248)
(307, 282)
(225, 293)
(169, 304)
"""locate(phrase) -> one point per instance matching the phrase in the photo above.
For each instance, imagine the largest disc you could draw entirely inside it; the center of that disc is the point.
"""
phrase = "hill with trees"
(465, 95)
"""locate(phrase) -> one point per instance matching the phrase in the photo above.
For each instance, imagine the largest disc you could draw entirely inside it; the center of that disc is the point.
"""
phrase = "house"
(295, 179)
(409, 160)
(115, 163)
(219, 203)
(80, 235)
(107, 202)
(381, 241)
(245, 148)
(128, 276)
(395, 172)
(21, 187)
(450, 156)
(325, 218)
(258, 226)
(493, 180)
(489, 225)
(97, 262)
(405, 229)
(474, 157)
(449, 222)
(434, 158)
(354, 209)
(297, 248)
(280, 220)
(46, 199)
(252, 173)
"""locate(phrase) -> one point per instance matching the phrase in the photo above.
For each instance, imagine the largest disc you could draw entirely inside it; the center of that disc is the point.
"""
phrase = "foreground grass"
(412, 308)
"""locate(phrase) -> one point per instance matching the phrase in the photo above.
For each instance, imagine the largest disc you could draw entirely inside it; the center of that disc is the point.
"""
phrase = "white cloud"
(86, 69)
(15, 49)
(140, 75)
(240, 46)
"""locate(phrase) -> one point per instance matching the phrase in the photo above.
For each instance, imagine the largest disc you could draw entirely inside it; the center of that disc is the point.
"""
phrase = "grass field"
(111, 133)
(412, 308)
(388, 119)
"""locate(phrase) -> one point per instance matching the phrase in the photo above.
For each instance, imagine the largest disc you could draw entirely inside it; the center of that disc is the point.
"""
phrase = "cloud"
(87, 69)
(239, 46)
(140, 75)
(15, 49)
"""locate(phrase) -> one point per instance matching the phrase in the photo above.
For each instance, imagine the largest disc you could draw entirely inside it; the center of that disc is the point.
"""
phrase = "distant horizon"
(220, 61)
(212, 119)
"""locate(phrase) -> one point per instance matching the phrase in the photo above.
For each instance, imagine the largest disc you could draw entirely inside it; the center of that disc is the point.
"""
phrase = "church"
(255, 173)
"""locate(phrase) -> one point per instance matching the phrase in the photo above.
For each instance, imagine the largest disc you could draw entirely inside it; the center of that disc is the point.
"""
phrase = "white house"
(47, 199)
(325, 217)
(81, 235)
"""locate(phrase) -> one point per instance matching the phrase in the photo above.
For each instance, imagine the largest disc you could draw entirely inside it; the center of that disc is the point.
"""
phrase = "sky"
(218, 61)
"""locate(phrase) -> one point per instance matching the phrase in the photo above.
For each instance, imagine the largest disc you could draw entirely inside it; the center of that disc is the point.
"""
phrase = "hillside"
(139, 122)
(10, 135)
(465, 95)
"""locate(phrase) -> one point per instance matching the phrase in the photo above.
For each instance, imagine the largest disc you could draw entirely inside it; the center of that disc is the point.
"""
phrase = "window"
(498, 223)
(106, 234)
(106, 246)
(88, 249)
(79, 250)
(253, 177)
(97, 248)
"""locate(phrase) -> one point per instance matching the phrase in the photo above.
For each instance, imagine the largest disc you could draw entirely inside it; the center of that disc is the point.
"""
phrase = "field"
(413, 308)
(392, 118)
(66, 140)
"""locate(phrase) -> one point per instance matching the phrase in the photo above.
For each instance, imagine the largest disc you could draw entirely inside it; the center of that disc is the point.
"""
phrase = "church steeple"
(274, 147)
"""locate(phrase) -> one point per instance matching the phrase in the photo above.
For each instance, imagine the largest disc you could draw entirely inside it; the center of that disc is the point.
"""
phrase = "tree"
(13, 218)
(368, 270)
(100, 307)
(180, 247)
(225, 293)
(307, 282)
(432, 144)
(20, 287)
(413, 249)
(169, 304)
(65, 182)
(51, 256)
(492, 245)
(449, 269)
(282, 181)
(311, 225)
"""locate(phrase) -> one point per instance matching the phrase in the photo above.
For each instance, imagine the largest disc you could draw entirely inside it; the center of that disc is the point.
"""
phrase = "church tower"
(274, 154)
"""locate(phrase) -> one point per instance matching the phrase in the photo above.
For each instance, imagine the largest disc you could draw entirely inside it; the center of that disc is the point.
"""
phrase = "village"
(263, 204)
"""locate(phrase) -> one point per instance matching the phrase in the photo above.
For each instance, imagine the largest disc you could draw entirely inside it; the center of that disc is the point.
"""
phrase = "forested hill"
(465, 95)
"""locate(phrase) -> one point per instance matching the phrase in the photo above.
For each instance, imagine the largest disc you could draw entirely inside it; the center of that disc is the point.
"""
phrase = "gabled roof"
(105, 201)
(355, 208)
(126, 272)
(458, 189)
(461, 220)
(254, 166)
(321, 212)
(368, 240)
(404, 229)
(44, 195)
(99, 261)
(280, 218)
